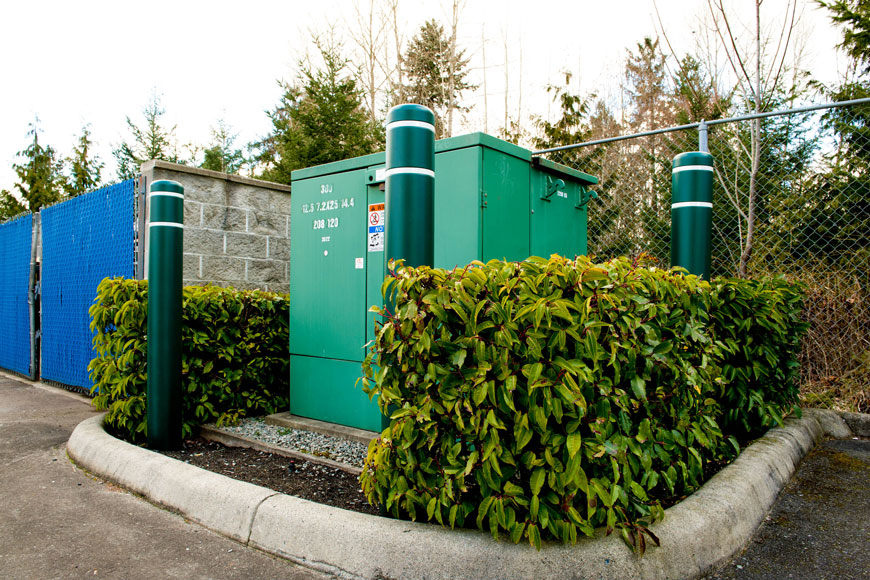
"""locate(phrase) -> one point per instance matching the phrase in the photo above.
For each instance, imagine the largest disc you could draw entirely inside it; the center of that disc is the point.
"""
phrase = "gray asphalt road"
(57, 522)
(819, 528)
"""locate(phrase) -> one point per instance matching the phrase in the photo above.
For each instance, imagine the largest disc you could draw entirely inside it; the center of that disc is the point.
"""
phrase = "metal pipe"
(805, 109)
(702, 137)
(32, 293)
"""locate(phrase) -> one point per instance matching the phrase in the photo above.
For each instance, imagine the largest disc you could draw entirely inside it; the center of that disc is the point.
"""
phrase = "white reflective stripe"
(167, 224)
(167, 193)
(692, 204)
(693, 168)
(411, 170)
(417, 124)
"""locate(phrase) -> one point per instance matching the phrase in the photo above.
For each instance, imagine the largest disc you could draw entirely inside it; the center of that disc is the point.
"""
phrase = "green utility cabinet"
(493, 200)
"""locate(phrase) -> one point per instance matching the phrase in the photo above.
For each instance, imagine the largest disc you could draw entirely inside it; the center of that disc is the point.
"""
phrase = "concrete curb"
(219, 503)
(697, 534)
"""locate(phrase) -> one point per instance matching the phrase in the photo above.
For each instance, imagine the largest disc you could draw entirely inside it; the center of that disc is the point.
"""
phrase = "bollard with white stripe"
(165, 243)
(410, 185)
(692, 212)
(409, 206)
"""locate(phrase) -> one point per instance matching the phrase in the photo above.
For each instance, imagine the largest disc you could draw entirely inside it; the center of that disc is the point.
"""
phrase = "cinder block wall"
(236, 229)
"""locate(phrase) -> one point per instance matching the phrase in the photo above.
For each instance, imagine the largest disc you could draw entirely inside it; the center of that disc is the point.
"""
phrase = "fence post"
(33, 297)
(692, 212)
(165, 224)
(702, 137)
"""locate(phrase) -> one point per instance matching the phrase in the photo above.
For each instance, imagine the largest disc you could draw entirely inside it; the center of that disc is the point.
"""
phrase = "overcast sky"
(95, 62)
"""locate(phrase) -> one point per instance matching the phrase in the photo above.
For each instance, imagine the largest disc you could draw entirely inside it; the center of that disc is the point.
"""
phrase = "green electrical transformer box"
(493, 200)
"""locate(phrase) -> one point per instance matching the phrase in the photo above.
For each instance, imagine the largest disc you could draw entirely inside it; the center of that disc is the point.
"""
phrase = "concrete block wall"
(236, 229)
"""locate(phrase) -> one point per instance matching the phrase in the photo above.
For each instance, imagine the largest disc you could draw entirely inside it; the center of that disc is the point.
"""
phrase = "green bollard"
(410, 185)
(165, 229)
(409, 210)
(692, 212)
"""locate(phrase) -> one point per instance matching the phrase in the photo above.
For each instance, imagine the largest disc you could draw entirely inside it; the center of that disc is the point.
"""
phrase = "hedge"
(547, 397)
(234, 355)
(758, 326)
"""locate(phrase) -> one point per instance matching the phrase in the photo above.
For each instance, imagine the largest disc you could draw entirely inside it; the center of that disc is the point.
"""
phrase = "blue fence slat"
(84, 240)
(15, 239)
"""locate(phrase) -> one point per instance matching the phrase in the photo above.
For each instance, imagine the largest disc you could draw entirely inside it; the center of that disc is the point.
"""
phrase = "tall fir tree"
(40, 176)
(221, 153)
(435, 73)
(834, 219)
(10, 206)
(85, 167)
(319, 119)
(649, 92)
(152, 140)
(648, 88)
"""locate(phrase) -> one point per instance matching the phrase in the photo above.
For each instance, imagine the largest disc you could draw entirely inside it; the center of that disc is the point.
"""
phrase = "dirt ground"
(295, 477)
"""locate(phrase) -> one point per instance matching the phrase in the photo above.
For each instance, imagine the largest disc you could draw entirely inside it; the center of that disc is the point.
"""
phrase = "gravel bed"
(335, 448)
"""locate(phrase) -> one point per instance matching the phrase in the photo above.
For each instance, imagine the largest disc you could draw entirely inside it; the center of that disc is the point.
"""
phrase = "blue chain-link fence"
(84, 240)
(14, 282)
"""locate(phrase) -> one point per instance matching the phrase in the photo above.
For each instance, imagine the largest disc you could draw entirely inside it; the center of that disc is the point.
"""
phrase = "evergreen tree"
(854, 17)
(435, 73)
(320, 119)
(571, 127)
(696, 95)
(150, 141)
(648, 88)
(834, 220)
(84, 166)
(650, 95)
(10, 206)
(220, 155)
(40, 177)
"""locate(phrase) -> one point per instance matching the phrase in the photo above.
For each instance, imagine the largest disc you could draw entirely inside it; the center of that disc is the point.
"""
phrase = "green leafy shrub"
(758, 325)
(234, 354)
(543, 398)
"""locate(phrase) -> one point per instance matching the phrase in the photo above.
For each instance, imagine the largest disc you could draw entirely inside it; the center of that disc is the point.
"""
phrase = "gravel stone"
(335, 448)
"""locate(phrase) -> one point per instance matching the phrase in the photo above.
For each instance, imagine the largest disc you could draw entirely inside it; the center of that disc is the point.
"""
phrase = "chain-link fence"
(84, 239)
(791, 196)
(15, 238)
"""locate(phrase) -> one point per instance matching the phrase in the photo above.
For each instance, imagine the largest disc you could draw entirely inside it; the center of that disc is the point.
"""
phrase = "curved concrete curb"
(700, 532)
(220, 503)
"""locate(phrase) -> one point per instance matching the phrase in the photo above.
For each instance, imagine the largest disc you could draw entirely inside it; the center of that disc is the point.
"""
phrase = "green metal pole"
(410, 185)
(692, 212)
(165, 230)
(409, 206)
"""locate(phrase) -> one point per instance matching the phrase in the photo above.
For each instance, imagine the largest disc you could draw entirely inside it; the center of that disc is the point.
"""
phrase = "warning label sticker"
(376, 227)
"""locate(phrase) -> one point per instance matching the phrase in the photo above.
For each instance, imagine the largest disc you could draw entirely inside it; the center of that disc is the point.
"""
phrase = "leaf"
(534, 536)
(517, 532)
(573, 442)
(511, 489)
(472, 461)
(664, 347)
(537, 480)
(593, 274)
(458, 357)
(638, 387)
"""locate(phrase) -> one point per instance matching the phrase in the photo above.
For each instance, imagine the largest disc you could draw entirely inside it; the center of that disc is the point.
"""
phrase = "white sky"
(96, 62)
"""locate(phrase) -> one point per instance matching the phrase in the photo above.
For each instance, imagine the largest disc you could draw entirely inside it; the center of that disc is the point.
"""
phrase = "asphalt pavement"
(58, 522)
(819, 527)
